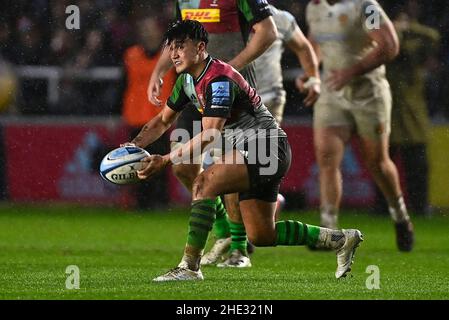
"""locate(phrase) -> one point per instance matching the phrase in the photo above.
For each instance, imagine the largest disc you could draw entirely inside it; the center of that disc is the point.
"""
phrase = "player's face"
(184, 55)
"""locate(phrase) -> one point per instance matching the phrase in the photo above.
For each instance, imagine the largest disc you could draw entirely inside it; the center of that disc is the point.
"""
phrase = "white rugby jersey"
(268, 65)
(342, 30)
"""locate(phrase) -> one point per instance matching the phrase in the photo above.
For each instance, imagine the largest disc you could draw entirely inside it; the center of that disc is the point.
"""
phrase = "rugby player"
(271, 90)
(354, 39)
(230, 106)
(229, 24)
(269, 70)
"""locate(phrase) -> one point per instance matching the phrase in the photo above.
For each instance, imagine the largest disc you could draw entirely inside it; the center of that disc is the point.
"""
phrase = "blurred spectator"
(410, 120)
(6, 41)
(33, 32)
(86, 96)
(91, 54)
(89, 13)
(118, 30)
(62, 46)
(30, 48)
(139, 61)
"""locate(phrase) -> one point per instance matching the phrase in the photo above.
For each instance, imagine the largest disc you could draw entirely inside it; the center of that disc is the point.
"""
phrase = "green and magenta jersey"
(228, 23)
(221, 91)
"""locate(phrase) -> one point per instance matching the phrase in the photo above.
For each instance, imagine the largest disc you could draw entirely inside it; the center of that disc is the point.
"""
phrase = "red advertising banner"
(60, 162)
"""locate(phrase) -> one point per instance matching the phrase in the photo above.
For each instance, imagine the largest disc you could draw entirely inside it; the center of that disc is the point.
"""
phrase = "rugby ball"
(120, 166)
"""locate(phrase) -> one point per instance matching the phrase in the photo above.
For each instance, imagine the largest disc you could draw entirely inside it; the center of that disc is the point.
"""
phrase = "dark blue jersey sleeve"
(220, 98)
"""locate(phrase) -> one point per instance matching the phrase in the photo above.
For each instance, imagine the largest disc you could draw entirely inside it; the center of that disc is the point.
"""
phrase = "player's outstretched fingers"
(154, 91)
(127, 144)
(312, 97)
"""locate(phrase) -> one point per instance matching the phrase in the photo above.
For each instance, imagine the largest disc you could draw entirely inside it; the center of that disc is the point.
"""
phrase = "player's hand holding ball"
(121, 165)
(310, 86)
(152, 165)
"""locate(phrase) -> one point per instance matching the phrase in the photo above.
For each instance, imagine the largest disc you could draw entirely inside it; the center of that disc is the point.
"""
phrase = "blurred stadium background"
(61, 105)
(65, 89)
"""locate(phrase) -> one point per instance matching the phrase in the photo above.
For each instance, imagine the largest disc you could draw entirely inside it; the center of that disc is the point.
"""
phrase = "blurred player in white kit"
(354, 39)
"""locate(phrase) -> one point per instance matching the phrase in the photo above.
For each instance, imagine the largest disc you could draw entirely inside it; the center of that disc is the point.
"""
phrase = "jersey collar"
(209, 61)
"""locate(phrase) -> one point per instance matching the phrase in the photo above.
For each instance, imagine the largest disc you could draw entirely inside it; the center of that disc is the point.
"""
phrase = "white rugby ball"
(120, 166)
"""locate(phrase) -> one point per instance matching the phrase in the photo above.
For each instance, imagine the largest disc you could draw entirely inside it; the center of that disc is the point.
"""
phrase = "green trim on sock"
(238, 237)
(221, 211)
(313, 235)
(295, 233)
(221, 226)
(280, 232)
(201, 220)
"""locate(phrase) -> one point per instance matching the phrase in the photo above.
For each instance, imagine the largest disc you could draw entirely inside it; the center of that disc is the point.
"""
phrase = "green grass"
(119, 252)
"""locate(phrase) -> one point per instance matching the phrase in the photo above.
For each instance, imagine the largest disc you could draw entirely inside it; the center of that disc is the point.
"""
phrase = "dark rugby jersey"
(221, 91)
(228, 23)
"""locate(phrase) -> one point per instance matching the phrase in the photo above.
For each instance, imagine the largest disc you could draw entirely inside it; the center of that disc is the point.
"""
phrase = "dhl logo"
(201, 15)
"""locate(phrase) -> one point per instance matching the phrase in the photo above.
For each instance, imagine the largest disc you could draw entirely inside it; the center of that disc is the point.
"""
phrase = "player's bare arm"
(154, 87)
(386, 50)
(212, 126)
(265, 34)
(309, 62)
(155, 128)
(315, 46)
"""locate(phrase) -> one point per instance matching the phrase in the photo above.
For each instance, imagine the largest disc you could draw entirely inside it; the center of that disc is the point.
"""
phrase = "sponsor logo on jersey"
(221, 95)
(201, 15)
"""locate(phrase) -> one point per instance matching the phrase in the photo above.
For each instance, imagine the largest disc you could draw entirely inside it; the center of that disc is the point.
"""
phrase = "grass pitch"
(118, 253)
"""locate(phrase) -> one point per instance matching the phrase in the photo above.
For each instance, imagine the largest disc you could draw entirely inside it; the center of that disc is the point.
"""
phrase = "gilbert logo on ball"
(120, 166)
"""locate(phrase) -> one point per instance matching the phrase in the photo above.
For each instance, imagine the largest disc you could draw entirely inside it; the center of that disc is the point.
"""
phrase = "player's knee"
(376, 163)
(326, 159)
(261, 239)
(203, 187)
(327, 166)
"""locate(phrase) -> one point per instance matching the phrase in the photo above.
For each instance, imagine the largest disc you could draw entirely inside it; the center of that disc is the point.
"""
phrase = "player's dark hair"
(186, 29)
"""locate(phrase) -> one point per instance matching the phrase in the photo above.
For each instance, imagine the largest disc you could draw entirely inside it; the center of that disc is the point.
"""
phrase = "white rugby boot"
(236, 260)
(180, 273)
(218, 250)
(345, 254)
